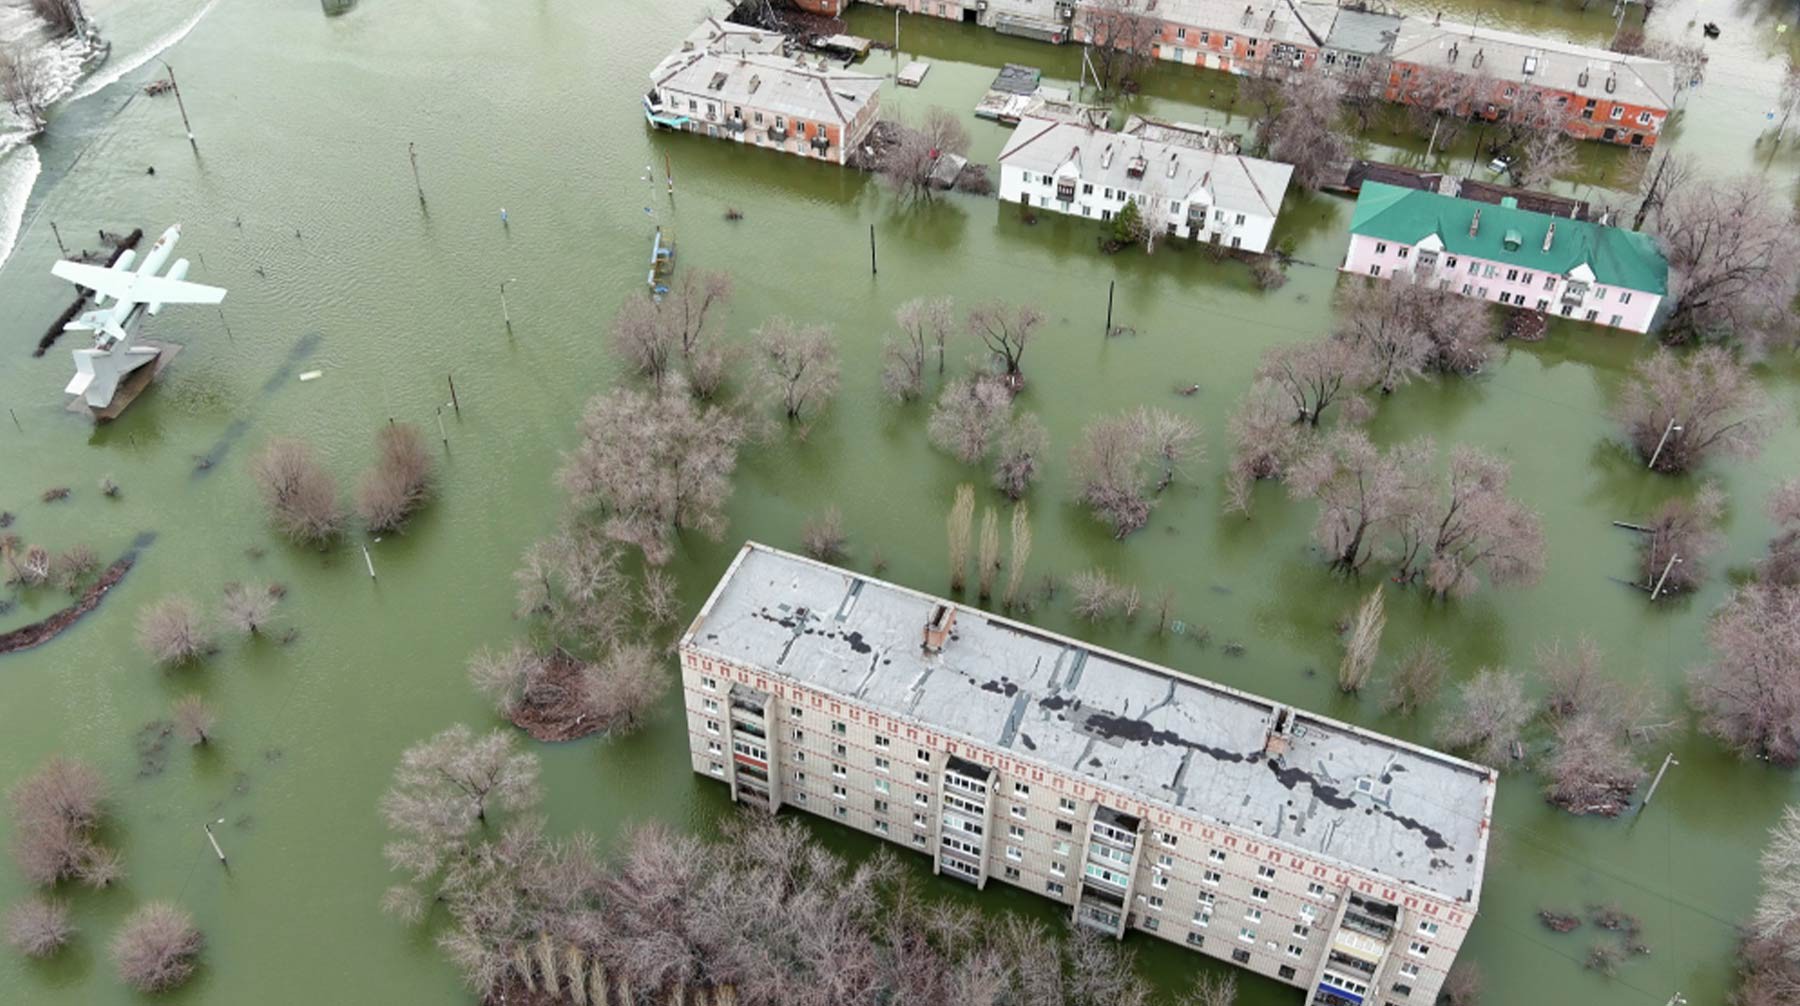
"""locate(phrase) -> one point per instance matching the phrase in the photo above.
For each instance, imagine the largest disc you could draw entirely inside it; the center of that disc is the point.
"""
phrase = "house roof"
(1617, 257)
(788, 86)
(1174, 170)
(1331, 789)
(1559, 65)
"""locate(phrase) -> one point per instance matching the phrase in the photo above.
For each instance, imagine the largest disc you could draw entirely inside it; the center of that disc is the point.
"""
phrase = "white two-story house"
(1512, 256)
(1186, 181)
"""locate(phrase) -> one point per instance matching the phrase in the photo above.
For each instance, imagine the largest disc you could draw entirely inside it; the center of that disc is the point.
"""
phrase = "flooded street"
(300, 200)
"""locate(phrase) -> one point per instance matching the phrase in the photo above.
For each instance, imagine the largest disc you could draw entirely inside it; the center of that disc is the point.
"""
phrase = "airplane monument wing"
(137, 288)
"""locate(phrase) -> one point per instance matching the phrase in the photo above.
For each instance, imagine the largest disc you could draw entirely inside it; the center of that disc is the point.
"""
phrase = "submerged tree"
(988, 558)
(1490, 716)
(39, 927)
(1405, 329)
(571, 587)
(957, 527)
(1006, 332)
(1124, 460)
(1363, 643)
(1471, 526)
(1592, 766)
(1313, 375)
(301, 496)
(657, 336)
(925, 324)
(1308, 131)
(171, 632)
(1021, 552)
(1121, 37)
(654, 465)
(193, 719)
(399, 483)
(1782, 564)
(799, 366)
(247, 608)
(1417, 678)
(158, 948)
(57, 814)
(25, 83)
(1019, 454)
(1266, 441)
(1730, 248)
(1363, 492)
(1683, 535)
(907, 165)
(1677, 411)
(969, 416)
(823, 537)
(1748, 696)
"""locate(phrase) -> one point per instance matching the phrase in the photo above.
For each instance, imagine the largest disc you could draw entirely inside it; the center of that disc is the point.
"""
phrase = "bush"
(400, 482)
(39, 927)
(170, 631)
(56, 812)
(301, 496)
(158, 948)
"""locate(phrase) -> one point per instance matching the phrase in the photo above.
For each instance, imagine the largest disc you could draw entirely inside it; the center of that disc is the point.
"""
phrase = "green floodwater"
(302, 203)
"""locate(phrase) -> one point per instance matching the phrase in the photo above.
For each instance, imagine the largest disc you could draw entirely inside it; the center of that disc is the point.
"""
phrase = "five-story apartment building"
(1328, 857)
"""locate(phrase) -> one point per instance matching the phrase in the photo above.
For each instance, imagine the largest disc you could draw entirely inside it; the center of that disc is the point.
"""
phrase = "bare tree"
(1363, 492)
(988, 558)
(970, 413)
(1021, 553)
(1098, 596)
(925, 324)
(25, 83)
(400, 482)
(57, 813)
(1363, 643)
(625, 685)
(1677, 411)
(517, 678)
(30, 568)
(655, 465)
(1006, 332)
(1777, 916)
(1416, 678)
(1405, 329)
(1592, 767)
(301, 496)
(1313, 375)
(958, 526)
(1728, 244)
(823, 536)
(157, 948)
(171, 632)
(193, 719)
(1748, 696)
(1462, 986)
(1657, 175)
(1019, 454)
(1266, 440)
(64, 17)
(1121, 38)
(1440, 102)
(906, 167)
(571, 587)
(39, 927)
(799, 366)
(655, 336)
(1124, 460)
(1472, 526)
(1782, 564)
(1212, 988)
(1308, 132)
(247, 608)
(1683, 535)
(1491, 714)
(1365, 90)
(1543, 157)
(70, 569)
(660, 598)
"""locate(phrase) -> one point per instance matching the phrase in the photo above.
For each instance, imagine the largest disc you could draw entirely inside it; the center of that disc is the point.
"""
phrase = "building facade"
(731, 82)
(1332, 859)
(1549, 264)
(1186, 181)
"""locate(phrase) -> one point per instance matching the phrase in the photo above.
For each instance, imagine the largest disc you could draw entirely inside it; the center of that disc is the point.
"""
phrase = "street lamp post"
(173, 86)
(504, 311)
(1673, 427)
(1664, 577)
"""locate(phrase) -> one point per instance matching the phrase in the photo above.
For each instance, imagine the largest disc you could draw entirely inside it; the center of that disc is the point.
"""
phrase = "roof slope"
(1174, 171)
(1617, 256)
(1560, 65)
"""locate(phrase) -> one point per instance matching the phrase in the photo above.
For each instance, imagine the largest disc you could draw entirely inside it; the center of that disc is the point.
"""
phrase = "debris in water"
(312, 375)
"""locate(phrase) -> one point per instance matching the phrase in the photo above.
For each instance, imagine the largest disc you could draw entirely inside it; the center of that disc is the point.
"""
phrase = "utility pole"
(64, 252)
(1668, 759)
(215, 842)
(1673, 559)
(1110, 284)
(1435, 123)
(454, 404)
(412, 154)
(1671, 428)
(504, 311)
(896, 45)
(180, 104)
(367, 560)
(872, 269)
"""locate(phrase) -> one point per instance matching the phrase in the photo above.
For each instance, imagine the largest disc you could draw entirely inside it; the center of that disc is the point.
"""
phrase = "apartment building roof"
(1510, 234)
(1533, 59)
(1143, 164)
(1321, 787)
(1365, 32)
(1297, 22)
(739, 65)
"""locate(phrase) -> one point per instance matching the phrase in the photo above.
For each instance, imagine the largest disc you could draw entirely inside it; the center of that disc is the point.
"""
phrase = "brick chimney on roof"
(1549, 236)
(1475, 223)
(937, 629)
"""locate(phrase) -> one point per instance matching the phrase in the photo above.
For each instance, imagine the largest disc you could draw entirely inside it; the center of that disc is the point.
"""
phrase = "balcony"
(778, 133)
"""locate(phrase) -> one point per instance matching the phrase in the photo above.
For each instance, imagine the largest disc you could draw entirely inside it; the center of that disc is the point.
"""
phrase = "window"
(1402, 989)
(922, 778)
(800, 777)
(881, 765)
(1010, 873)
(1506, 298)
(922, 799)
(838, 727)
(1165, 860)
(1527, 277)
(709, 684)
(800, 798)
(714, 747)
(1287, 973)
(924, 756)
(717, 769)
(1402, 253)
(1015, 853)
(918, 839)
(1210, 877)
(1181, 33)
(1295, 951)
(1060, 848)
(1409, 970)
(1315, 889)
(881, 741)
(1381, 247)
(1203, 917)
(1196, 940)
(1591, 315)
(1512, 275)
(1241, 956)
(1240, 219)
(1618, 112)
(1247, 934)
(881, 786)
(1265, 872)
(1058, 868)
(1643, 118)
(1252, 915)
(712, 726)
(1428, 927)
(1160, 881)
(1014, 831)
(1474, 268)
(1052, 887)
(1018, 812)
(1309, 913)
(1065, 827)
(881, 826)
(919, 821)
(1418, 949)
(1152, 924)
(1021, 789)
(1167, 839)
(1206, 897)
(1087, 188)
(1156, 902)
(1467, 290)
(1450, 261)
(1489, 271)
(839, 792)
(1374, 270)
(1625, 297)
(838, 770)
(1617, 319)
(1549, 282)
(1542, 304)
(1259, 894)
(1599, 293)
(1301, 931)
(881, 806)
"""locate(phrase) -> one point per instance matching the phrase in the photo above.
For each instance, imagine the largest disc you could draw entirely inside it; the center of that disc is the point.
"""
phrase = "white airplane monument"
(122, 297)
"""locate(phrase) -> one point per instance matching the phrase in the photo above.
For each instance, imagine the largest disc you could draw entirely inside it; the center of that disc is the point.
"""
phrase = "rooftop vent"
(1582, 77)
(1475, 223)
(755, 82)
(937, 630)
(1512, 240)
(1276, 744)
(1509, 202)
(1174, 164)
(1137, 166)
(1480, 54)
(1106, 157)
(1531, 63)
(718, 82)
(1549, 236)
(1612, 83)
(1454, 49)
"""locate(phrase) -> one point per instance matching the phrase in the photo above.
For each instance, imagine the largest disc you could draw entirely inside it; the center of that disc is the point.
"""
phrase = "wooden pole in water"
(1109, 302)
(412, 154)
(1668, 759)
(15, 416)
(453, 402)
(215, 845)
(505, 312)
(872, 270)
(64, 252)
(445, 437)
(173, 86)
(369, 562)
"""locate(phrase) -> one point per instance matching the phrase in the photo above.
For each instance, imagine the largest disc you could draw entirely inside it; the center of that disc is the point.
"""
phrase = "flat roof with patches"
(1340, 792)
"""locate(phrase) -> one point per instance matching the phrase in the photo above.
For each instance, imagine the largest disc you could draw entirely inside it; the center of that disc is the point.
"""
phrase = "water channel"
(301, 201)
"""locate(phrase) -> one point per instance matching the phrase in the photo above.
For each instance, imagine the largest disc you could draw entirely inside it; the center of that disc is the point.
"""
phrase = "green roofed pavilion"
(1617, 257)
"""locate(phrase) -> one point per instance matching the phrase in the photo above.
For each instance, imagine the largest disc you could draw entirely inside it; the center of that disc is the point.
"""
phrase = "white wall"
(1251, 235)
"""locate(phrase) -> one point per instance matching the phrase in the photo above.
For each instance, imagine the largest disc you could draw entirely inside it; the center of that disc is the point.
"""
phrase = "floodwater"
(301, 201)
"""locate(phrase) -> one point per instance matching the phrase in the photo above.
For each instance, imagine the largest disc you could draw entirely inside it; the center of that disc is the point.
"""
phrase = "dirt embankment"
(37, 633)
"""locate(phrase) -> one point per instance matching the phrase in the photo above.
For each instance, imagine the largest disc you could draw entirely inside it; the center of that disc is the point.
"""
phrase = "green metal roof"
(1618, 257)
